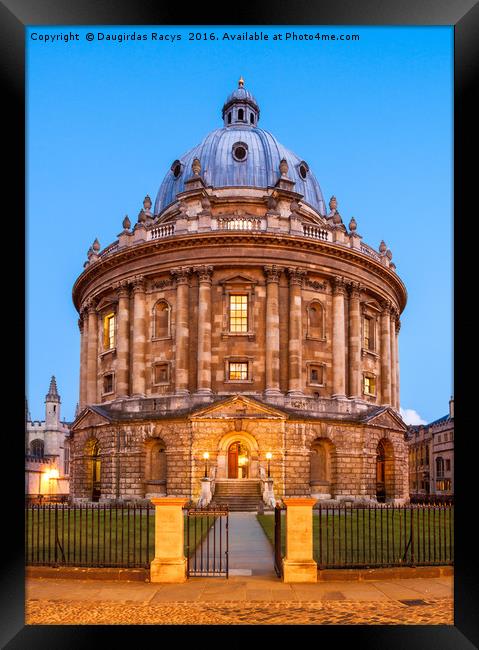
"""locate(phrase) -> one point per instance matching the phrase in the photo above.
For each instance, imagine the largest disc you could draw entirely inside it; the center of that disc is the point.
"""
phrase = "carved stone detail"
(272, 272)
(339, 285)
(296, 275)
(181, 274)
(316, 285)
(204, 272)
(137, 283)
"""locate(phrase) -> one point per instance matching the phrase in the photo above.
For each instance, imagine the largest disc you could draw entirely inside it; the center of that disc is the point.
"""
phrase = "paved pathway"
(240, 600)
(250, 552)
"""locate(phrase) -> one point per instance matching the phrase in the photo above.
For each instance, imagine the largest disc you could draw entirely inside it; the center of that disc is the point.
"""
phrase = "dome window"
(229, 117)
(251, 118)
(240, 114)
(176, 168)
(303, 170)
(240, 151)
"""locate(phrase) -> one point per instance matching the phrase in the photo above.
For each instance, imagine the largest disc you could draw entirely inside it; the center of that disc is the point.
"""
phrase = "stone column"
(392, 339)
(354, 341)
(398, 394)
(83, 323)
(138, 383)
(123, 341)
(296, 279)
(204, 329)
(169, 564)
(339, 344)
(181, 276)
(298, 565)
(272, 273)
(92, 354)
(385, 353)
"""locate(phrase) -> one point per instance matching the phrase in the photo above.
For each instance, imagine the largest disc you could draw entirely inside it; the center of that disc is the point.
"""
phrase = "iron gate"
(207, 541)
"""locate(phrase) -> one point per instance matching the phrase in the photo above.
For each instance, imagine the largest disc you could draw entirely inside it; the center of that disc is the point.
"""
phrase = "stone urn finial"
(196, 167)
(353, 225)
(389, 254)
(90, 252)
(283, 167)
(96, 246)
(205, 203)
(333, 204)
(147, 203)
(382, 247)
(126, 223)
(337, 218)
(142, 216)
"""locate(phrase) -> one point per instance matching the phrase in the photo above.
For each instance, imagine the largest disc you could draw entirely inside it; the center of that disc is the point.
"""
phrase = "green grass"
(382, 537)
(97, 537)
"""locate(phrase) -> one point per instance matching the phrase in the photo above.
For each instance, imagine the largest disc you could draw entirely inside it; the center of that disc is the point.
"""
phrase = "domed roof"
(240, 155)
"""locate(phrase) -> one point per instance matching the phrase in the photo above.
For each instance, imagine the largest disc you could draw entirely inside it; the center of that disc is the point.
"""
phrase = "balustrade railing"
(239, 223)
(369, 251)
(167, 230)
(316, 232)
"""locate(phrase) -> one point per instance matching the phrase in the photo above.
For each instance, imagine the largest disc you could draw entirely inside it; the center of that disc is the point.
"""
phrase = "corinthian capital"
(355, 290)
(296, 275)
(181, 274)
(205, 272)
(122, 288)
(339, 285)
(272, 272)
(137, 283)
(386, 306)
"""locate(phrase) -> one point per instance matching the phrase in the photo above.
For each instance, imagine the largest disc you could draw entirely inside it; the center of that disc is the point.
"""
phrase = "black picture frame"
(15, 15)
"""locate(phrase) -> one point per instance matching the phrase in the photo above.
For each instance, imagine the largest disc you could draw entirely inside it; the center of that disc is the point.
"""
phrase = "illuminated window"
(238, 313)
(369, 386)
(109, 332)
(368, 339)
(238, 371)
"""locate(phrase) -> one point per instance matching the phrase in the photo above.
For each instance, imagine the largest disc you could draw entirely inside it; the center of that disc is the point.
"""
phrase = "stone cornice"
(219, 239)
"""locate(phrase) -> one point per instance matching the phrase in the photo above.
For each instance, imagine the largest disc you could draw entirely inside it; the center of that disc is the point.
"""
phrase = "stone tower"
(52, 419)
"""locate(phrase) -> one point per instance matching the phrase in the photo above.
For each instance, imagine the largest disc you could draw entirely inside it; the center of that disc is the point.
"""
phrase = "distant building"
(431, 456)
(47, 451)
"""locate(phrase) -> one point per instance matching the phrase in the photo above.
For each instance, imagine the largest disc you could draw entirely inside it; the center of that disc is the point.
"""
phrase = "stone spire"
(52, 395)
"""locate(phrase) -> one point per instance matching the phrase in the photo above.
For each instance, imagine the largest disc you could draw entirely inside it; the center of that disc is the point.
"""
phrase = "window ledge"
(238, 381)
(372, 353)
(106, 352)
(316, 385)
(323, 339)
(161, 338)
(112, 392)
(250, 335)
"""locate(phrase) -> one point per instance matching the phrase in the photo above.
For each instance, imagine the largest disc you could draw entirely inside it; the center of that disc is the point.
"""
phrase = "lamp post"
(206, 456)
(269, 456)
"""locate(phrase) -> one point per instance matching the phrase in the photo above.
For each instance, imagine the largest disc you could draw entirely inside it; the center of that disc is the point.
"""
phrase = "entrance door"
(238, 461)
(233, 453)
(380, 473)
(96, 480)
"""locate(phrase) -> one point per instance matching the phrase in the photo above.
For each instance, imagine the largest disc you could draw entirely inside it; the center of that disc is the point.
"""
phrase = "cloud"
(410, 416)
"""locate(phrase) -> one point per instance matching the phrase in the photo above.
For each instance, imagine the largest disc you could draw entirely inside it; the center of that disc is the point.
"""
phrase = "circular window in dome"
(240, 151)
(303, 170)
(176, 168)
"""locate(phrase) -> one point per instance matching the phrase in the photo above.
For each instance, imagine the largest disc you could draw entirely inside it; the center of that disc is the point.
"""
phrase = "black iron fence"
(433, 499)
(100, 535)
(383, 536)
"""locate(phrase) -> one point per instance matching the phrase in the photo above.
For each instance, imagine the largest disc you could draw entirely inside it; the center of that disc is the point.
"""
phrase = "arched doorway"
(238, 460)
(155, 468)
(384, 470)
(321, 472)
(96, 471)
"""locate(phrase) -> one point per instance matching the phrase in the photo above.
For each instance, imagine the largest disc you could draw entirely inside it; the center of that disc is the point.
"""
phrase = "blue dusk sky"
(373, 119)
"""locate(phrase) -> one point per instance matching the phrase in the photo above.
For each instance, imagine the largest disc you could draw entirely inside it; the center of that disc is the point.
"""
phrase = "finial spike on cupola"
(196, 167)
(126, 223)
(96, 245)
(241, 82)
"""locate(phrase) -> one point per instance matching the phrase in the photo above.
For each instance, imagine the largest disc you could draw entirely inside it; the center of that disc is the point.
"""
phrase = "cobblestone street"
(437, 612)
(260, 600)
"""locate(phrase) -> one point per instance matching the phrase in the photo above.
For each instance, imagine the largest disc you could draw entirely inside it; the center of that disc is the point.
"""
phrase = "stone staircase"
(241, 495)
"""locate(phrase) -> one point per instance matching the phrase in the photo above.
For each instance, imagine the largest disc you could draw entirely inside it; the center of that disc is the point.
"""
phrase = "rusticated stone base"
(300, 571)
(171, 571)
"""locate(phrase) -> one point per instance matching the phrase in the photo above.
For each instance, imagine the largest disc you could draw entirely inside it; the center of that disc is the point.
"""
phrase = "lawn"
(98, 537)
(377, 537)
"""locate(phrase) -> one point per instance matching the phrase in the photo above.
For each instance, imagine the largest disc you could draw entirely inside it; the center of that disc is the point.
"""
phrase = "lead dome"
(259, 167)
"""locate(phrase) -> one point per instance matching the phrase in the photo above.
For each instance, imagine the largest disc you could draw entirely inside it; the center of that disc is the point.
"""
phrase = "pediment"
(239, 406)
(89, 418)
(387, 418)
(238, 279)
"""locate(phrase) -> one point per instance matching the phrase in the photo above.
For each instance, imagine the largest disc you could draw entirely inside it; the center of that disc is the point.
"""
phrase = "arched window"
(240, 114)
(439, 467)
(251, 118)
(155, 467)
(320, 468)
(316, 320)
(381, 472)
(229, 117)
(37, 448)
(161, 320)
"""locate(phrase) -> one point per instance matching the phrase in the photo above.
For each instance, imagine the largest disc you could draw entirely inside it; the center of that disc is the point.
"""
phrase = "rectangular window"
(238, 313)
(161, 373)
(108, 383)
(238, 371)
(109, 332)
(369, 386)
(368, 333)
(316, 374)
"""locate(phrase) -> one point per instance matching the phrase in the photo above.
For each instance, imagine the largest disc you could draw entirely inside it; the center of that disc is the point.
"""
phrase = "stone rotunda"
(239, 328)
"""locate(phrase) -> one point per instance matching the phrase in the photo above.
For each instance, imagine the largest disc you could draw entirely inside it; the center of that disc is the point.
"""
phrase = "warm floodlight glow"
(269, 455)
(52, 474)
(206, 455)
